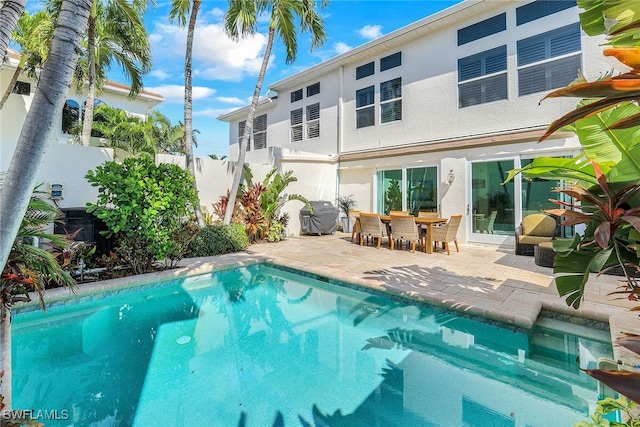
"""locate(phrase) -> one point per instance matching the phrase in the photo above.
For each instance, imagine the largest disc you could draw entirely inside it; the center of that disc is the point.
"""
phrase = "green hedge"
(218, 239)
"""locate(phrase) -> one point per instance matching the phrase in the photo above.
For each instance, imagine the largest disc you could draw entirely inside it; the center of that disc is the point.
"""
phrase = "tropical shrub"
(30, 268)
(148, 207)
(275, 231)
(218, 239)
(258, 204)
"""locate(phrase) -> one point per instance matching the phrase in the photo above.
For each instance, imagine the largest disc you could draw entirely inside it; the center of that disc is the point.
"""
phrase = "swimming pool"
(262, 345)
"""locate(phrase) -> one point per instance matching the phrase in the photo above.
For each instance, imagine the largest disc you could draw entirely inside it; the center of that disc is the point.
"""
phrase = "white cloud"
(215, 56)
(231, 100)
(370, 32)
(159, 74)
(341, 47)
(175, 93)
(213, 113)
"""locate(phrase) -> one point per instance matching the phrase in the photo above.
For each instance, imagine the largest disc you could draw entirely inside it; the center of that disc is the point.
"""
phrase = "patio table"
(422, 221)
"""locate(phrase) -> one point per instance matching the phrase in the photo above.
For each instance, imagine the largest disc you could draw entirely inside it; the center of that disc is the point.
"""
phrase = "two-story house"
(431, 117)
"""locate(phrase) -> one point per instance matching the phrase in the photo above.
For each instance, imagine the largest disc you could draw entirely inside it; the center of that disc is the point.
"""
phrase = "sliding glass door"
(407, 189)
(492, 204)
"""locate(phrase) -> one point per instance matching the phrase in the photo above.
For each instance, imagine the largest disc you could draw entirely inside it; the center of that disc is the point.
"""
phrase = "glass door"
(493, 205)
(389, 191)
(421, 190)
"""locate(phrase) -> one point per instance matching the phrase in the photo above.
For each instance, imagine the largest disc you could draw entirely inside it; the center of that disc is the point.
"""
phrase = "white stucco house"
(433, 115)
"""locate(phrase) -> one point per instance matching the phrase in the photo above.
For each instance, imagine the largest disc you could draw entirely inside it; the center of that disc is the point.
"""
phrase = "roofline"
(399, 36)
(244, 111)
(13, 57)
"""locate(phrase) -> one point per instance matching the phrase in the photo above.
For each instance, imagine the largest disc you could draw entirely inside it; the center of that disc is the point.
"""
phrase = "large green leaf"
(577, 170)
(620, 146)
(611, 17)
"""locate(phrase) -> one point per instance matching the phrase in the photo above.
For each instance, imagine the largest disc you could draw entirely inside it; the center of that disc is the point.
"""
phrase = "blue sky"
(225, 72)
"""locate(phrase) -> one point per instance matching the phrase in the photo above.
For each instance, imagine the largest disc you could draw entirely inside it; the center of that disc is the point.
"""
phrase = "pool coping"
(621, 323)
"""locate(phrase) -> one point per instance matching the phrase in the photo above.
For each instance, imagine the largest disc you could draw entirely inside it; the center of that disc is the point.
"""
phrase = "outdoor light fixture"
(450, 176)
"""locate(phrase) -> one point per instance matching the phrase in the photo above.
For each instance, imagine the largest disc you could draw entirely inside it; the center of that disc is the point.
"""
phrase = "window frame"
(368, 107)
(296, 95)
(296, 126)
(486, 75)
(313, 89)
(312, 121)
(395, 100)
(391, 61)
(548, 59)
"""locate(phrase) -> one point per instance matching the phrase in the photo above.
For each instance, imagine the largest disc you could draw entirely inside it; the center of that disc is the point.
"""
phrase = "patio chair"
(448, 233)
(355, 228)
(404, 227)
(371, 226)
(424, 214)
(486, 224)
(535, 228)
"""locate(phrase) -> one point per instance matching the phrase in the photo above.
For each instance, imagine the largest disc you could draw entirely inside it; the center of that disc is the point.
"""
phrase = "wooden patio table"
(422, 221)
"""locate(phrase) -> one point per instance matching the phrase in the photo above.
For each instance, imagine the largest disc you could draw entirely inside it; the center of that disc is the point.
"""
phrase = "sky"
(225, 72)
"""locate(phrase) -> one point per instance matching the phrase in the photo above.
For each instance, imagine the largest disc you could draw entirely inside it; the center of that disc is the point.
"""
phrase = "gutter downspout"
(339, 124)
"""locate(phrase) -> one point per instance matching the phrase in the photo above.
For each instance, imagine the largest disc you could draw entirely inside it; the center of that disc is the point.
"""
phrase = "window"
(482, 77)
(391, 61)
(365, 70)
(260, 132)
(22, 88)
(296, 95)
(296, 125)
(364, 107)
(482, 29)
(313, 89)
(391, 100)
(540, 9)
(313, 121)
(549, 60)
(259, 136)
(241, 127)
(70, 116)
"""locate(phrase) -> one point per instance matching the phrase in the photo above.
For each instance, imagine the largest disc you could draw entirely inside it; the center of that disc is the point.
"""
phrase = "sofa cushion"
(538, 225)
(533, 240)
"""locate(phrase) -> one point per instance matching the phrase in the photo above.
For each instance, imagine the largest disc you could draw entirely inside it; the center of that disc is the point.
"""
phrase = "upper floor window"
(296, 95)
(313, 120)
(391, 61)
(21, 88)
(259, 134)
(70, 116)
(482, 29)
(365, 70)
(541, 8)
(313, 89)
(296, 125)
(365, 110)
(482, 77)
(550, 60)
(391, 100)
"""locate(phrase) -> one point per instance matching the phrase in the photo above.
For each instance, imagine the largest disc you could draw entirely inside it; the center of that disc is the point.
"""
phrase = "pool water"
(265, 346)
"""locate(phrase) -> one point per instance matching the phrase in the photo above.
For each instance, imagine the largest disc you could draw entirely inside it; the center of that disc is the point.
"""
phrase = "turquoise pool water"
(263, 346)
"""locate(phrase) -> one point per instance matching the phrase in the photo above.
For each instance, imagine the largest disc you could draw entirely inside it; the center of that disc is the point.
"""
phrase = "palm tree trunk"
(41, 120)
(87, 119)
(10, 12)
(237, 173)
(13, 81)
(188, 101)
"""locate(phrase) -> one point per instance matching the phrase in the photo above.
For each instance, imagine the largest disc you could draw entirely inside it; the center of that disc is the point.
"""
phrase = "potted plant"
(345, 205)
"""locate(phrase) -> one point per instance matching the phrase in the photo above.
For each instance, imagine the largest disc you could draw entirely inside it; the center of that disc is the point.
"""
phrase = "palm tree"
(37, 132)
(115, 32)
(125, 132)
(10, 12)
(179, 11)
(241, 20)
(33, 35)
